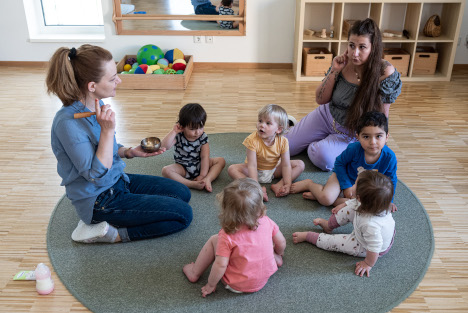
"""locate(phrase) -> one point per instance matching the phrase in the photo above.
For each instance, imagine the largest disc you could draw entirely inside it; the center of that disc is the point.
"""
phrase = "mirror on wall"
(178, 17)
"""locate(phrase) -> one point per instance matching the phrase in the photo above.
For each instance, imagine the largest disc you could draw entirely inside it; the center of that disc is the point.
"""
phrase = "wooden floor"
(428, 132)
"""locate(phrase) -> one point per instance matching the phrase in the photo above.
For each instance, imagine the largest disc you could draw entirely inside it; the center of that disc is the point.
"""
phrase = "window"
(64, 20)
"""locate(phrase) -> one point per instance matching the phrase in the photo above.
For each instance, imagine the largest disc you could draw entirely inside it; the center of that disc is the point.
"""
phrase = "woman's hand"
(340, 61)
(105, 116)
(139, 152)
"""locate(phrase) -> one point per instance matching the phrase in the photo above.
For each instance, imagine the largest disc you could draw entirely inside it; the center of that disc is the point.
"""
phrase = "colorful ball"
(180, 61)
(135, 65)
(130, 61)
(159, 71)
(170, 71)
(180, 72)
(174, 54)
(163, 63)
(153, 67)
(127, 67)
(142, 69)
(149, 54)
(132, 70)
(179, 66)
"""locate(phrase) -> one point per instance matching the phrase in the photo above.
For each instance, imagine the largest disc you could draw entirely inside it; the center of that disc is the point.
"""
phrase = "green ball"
(149, 54)
(132, 71)
(135, 65)
(125, 72)
(159, 71)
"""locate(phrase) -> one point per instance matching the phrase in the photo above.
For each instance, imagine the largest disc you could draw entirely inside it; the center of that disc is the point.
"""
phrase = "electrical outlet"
(209, 39)
(197, 39)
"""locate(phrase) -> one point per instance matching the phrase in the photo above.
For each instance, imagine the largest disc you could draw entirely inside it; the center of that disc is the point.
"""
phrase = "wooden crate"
(154, 81)
(316, 61)
(425, 61)
(399, 58)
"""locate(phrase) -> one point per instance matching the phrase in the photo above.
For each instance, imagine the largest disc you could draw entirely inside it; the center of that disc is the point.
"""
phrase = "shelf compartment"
(399, 17)
(449, 14)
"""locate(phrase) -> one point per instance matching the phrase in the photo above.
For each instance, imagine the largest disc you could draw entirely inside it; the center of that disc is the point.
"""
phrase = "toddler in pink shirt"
(249, 247)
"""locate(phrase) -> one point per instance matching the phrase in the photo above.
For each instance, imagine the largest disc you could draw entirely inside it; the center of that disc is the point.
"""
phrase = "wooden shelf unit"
(388, 14)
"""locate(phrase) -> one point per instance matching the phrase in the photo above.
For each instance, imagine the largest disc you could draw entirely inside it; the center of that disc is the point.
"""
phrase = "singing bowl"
(151, 144)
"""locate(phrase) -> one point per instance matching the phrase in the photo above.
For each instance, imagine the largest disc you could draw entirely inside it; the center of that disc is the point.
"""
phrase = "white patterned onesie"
(187, 154)
(371, 232)
(226, 11)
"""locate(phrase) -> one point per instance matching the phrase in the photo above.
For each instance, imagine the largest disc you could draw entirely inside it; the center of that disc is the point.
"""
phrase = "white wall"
(270, 37)
(462, 50)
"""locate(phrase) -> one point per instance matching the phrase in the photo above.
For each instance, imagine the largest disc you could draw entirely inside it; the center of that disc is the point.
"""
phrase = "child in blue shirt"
(370, 153)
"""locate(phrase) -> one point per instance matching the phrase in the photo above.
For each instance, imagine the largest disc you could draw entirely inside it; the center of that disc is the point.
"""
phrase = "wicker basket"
(433, 27)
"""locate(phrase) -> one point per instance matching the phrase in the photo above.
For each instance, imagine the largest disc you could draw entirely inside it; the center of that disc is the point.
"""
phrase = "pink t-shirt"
(250, 253)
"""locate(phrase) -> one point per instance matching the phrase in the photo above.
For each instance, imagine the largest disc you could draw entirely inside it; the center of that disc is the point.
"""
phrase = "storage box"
(399, 58)
(347, 24)
(316, 61)
(154, 81)
(425, 61)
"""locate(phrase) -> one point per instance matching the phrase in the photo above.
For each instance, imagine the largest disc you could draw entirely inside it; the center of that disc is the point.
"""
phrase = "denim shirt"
(196, 3)
(74, 143)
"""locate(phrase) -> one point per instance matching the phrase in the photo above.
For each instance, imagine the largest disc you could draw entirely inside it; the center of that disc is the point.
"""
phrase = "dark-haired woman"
(358, 81)
(113, 206)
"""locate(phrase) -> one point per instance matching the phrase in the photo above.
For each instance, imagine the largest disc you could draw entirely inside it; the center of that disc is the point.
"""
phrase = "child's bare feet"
(300, 186)
(278, 259)
(188, 271)
(195, 184)
(308, 195)
(279, 189)
(299, 236)
(208, 185)
(323, 223)
(265, 196)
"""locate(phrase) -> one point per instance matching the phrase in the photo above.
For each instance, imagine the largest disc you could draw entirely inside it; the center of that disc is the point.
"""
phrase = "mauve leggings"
(315, 132)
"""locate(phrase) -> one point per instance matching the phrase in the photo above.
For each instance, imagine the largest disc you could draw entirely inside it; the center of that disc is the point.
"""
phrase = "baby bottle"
(44, 282)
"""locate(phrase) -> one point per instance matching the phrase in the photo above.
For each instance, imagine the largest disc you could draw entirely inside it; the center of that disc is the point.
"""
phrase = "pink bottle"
(44, 282)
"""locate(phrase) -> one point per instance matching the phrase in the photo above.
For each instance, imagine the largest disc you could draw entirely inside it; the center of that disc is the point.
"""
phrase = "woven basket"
(433, 26)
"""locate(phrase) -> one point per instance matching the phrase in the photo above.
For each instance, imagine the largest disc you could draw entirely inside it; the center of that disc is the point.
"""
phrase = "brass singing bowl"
(151, 144)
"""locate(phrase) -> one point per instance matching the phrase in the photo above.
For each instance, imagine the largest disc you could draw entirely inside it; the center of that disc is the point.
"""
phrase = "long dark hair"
(367, 97)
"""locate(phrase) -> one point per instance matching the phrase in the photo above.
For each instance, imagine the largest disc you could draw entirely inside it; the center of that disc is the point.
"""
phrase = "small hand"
(340, 61)
(362, 268)
(393, 207)
(335, 210)
(207, 289)
(177, 128)
(105, 116)
(139, 152)
(284, 190)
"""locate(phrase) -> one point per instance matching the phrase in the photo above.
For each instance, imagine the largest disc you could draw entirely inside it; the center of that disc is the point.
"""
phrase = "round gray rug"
(146, 276)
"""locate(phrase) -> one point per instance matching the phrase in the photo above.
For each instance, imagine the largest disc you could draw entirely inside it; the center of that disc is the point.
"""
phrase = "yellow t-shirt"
(268, 157)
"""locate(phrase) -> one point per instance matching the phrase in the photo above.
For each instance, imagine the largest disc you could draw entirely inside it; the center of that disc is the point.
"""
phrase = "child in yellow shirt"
(268, 153)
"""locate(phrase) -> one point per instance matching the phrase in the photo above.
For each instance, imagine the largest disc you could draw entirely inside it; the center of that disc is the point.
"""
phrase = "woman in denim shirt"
(113, 206)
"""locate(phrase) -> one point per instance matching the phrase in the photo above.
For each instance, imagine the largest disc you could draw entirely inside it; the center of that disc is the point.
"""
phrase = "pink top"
(250, 253)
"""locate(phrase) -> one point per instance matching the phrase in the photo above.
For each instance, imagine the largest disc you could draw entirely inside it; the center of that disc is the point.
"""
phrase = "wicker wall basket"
(433, 27)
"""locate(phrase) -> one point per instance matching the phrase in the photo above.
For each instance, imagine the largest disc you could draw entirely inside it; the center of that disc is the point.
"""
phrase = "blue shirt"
(74, 143)
(347, 165)
(196, 3)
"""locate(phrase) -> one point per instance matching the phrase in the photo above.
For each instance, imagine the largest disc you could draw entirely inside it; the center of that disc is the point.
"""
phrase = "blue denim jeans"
(147, 207)
(206, 9)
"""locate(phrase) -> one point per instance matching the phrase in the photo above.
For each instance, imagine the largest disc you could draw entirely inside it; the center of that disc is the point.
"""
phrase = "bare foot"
(279, 260)
(208, 185)
(323, 223)
(301, 186)
(188, 271)
(196, 184)
(265, 196)
(299, 236)
(308, 195)
(278, 189)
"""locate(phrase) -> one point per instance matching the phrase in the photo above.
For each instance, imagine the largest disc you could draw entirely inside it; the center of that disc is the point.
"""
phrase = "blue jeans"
(205, 9)
(147, 207)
